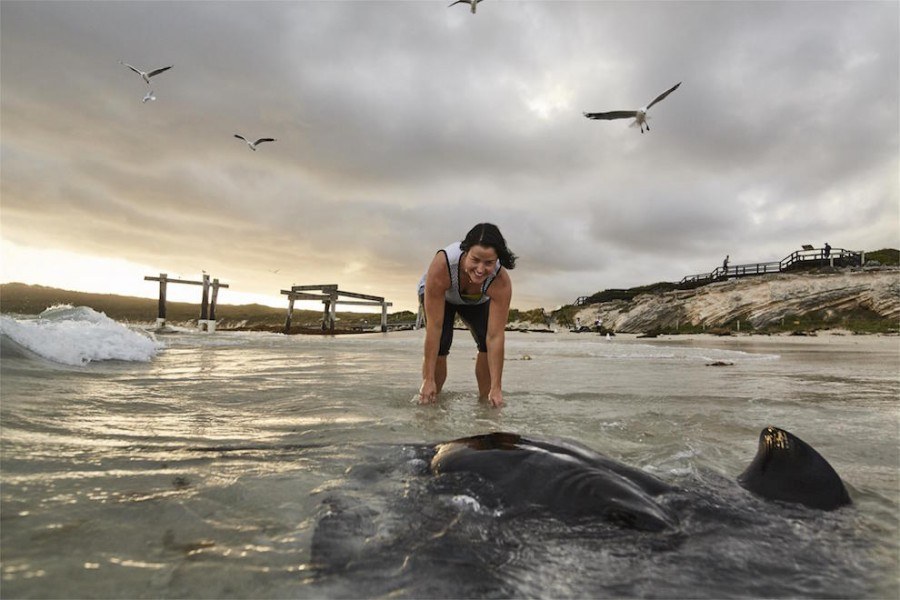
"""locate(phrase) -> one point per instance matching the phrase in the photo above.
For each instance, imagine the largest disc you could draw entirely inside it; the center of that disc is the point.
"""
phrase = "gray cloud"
(402, 124)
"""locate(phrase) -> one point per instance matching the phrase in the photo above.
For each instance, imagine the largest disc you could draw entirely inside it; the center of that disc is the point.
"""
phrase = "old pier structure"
(207, 320)
(329, 295)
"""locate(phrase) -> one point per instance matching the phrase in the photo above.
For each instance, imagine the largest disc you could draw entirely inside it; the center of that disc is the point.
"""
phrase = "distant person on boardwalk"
(469, 279)
(725, 263)
(826, 252)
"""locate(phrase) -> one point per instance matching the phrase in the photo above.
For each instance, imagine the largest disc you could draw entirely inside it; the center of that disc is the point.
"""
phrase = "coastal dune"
(833, 298)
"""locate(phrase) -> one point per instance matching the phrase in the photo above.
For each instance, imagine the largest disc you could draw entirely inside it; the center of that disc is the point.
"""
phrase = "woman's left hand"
(495, 397)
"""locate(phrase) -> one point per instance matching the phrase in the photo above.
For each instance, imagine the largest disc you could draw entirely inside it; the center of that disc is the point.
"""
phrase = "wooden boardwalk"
(799, 259)
(806, 258)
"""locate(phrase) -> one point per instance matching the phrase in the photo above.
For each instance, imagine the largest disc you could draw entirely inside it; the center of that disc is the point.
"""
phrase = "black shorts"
(475, 316)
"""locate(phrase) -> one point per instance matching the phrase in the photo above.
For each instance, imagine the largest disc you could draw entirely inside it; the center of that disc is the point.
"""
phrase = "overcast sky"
(400, 125)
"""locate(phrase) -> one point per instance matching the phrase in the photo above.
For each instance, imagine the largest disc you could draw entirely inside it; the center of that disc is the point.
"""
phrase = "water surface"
(261, 465)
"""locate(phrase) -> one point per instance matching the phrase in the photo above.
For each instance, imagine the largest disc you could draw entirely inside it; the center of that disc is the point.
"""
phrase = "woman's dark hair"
(488, 235)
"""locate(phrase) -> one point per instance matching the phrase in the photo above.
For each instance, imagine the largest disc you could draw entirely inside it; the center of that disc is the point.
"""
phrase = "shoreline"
(801, 305)
(736, 336)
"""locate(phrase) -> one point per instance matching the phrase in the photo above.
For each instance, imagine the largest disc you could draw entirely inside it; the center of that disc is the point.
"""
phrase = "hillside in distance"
(862, 299)
(859, 300)
(19, 298)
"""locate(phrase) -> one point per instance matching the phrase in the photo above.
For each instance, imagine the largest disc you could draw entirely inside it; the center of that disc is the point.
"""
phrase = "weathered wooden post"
(327, 304)
(383, 317)
(290, 314)
(211, 323)
(333, 298)
(204, 305)
(161, 313)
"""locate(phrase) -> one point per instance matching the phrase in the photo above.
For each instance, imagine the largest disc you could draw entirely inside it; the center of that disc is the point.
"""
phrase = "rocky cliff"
(826, 298)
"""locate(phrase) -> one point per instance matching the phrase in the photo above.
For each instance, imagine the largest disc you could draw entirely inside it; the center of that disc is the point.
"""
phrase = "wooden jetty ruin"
(207, 320)
(329, 295)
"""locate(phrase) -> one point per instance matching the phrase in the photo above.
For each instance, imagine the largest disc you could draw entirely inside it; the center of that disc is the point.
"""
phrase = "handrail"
(747, 270)
(798, 256)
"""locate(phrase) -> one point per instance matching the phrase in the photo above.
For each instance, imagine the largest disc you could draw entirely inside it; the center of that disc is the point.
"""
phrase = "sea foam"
(77, 336)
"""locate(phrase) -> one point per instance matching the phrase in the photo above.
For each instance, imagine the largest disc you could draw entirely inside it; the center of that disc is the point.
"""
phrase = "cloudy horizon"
(402, 124)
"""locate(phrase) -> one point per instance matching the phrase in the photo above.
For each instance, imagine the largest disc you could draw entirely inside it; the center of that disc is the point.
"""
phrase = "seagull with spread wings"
(256, 143)
(640, 115)
(146, 75)
(472, 3)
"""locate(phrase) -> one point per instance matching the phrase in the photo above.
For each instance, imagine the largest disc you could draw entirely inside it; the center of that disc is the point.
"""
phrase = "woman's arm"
(501, 296)
(437, 282)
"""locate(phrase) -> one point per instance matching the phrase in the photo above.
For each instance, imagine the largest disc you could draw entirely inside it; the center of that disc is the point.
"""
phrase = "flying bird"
(149, 97)
(640, 115)
(146, 75)
(472, 3)
(253, 145)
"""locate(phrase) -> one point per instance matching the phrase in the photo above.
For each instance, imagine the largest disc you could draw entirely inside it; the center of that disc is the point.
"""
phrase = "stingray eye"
(781, 440)
(776, 438)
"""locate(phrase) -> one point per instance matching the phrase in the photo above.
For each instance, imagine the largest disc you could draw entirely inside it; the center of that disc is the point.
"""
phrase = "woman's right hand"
(428, 392)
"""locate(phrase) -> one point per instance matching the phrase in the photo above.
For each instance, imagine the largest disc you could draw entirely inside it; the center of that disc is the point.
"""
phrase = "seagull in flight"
(253, 145)
(149, 97)
(472, 3)
(640, 115)
(146, 75)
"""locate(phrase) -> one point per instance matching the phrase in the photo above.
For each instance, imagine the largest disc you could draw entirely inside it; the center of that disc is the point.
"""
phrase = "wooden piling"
(333, 309)
(420, 317)
(290, 314)
(161, 312)
(212, 302)
(327, 304)
(204, 304)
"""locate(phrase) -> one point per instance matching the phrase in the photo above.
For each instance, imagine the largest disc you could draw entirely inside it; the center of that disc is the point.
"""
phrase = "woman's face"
(479, 262)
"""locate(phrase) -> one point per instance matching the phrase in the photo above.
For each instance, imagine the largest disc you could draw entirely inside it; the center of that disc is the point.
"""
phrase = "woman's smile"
(479, 262)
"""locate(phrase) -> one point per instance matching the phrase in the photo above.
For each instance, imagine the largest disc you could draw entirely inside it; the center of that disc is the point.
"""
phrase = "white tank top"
(454, 253)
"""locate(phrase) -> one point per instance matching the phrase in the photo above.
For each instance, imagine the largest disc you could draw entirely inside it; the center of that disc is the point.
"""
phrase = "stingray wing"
(663, 95)
(614, 114)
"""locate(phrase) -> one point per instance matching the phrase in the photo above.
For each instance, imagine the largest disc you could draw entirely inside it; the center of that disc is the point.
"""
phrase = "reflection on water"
(205, 472)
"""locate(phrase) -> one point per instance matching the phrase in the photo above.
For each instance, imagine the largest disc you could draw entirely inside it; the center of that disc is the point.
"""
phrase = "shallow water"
(242, 464)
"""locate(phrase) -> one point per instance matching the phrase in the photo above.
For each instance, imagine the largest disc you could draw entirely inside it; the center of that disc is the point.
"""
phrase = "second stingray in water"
(571, 480)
